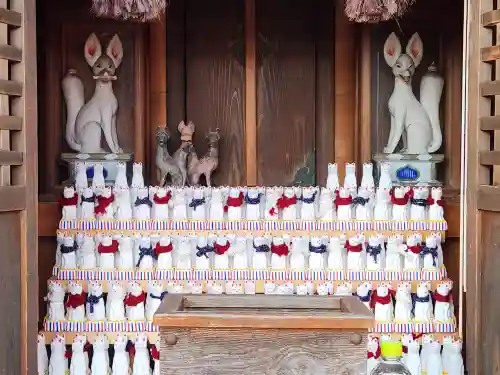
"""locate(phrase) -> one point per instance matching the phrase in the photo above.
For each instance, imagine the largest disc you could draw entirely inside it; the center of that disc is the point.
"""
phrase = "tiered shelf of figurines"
(121, 249)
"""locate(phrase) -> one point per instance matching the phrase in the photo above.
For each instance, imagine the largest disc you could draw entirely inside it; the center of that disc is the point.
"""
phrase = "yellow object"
(392, 349)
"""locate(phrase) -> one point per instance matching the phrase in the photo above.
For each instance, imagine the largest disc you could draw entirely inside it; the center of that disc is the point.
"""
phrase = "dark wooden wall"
(206, 84)
(63, 29)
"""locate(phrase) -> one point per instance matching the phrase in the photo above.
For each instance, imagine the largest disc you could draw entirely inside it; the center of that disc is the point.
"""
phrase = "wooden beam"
(10, 53)
(11, 88)
(489, 158)
(489, 54)
(250, 94)
(490, 18)
(345, 89)
(11, 157)
(488, 123)
(488, 198)
(490, 88)
(12, 198)
(10, 17)
(49, 215)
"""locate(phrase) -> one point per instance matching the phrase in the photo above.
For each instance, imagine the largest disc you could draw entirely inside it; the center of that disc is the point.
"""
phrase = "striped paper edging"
(263, 225)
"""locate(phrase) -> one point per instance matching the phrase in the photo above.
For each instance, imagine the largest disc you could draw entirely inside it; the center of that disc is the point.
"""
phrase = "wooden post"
(364, 138)
(345, 89)
(157, 86)
(250, 95)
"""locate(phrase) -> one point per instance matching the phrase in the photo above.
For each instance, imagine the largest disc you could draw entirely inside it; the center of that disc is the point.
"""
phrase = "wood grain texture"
(476, 245)
(269, 352)
(10, 290)
(157, 90)
(324, 15)
(451, 50)
(285, 91)
(215, 82)
(10, 17)
(345, 89)
(10, 53)
(176, 70)
(12, 198)
(490, 18)
(263, 312)
(26, 141)
(490, 325)
(65, 29)
(250, 93)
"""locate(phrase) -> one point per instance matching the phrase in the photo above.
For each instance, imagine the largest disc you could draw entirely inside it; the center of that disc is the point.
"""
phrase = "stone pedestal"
(411, 169)
(109, 162)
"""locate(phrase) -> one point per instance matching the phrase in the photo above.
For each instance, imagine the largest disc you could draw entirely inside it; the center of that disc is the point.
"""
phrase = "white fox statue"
(416, 122)
(85, 120)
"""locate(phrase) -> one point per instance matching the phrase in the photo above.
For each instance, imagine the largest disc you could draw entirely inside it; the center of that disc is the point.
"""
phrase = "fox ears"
(93, 50)
(393, 49)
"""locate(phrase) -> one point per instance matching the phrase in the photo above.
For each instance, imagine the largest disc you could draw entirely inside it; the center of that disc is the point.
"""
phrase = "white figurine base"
(411, 169)
(109, 162)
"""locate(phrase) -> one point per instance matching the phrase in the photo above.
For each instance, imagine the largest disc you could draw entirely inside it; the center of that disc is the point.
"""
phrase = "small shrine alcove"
(291, 86)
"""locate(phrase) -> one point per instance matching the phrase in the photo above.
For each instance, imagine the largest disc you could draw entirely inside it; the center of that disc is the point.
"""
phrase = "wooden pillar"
(345, 89)
(250, 95)
(157, 86)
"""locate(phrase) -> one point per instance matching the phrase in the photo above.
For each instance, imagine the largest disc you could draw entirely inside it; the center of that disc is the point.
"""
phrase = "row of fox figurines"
(378, 252)
(429, 357)
(79, 361)
(251, 203)
(403, 305)
(120, 303)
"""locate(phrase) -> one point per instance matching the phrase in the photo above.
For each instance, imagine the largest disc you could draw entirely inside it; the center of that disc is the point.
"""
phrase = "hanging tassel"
(374, 11)
(142, 10)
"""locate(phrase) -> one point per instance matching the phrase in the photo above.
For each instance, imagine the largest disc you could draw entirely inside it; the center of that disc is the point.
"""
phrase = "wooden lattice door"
(482, 188)
(18, 193)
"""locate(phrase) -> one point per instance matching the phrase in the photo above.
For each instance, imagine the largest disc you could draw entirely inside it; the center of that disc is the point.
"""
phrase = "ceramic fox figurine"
(85, 121)
(115, 308)
(279, 253)
(42, 357)
(100, 357)
(69, 202)
(155, 295)
(382, 304)
(141, 364)
(95, 302)
(79, 359)
(332, 181)
(364, 293)
(121, 359)
(423, 303)
(416, 122)
(75, 303)
(412, 358)
(55, 298)
(58, 363)
(373, 353)
(81, 180)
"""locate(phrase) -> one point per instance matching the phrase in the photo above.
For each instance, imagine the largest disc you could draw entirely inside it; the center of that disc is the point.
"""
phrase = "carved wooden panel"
(266, 352)
(285, 92)
(215, 82)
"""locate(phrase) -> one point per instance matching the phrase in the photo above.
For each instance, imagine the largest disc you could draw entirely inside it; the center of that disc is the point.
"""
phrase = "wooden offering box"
(262, 334)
